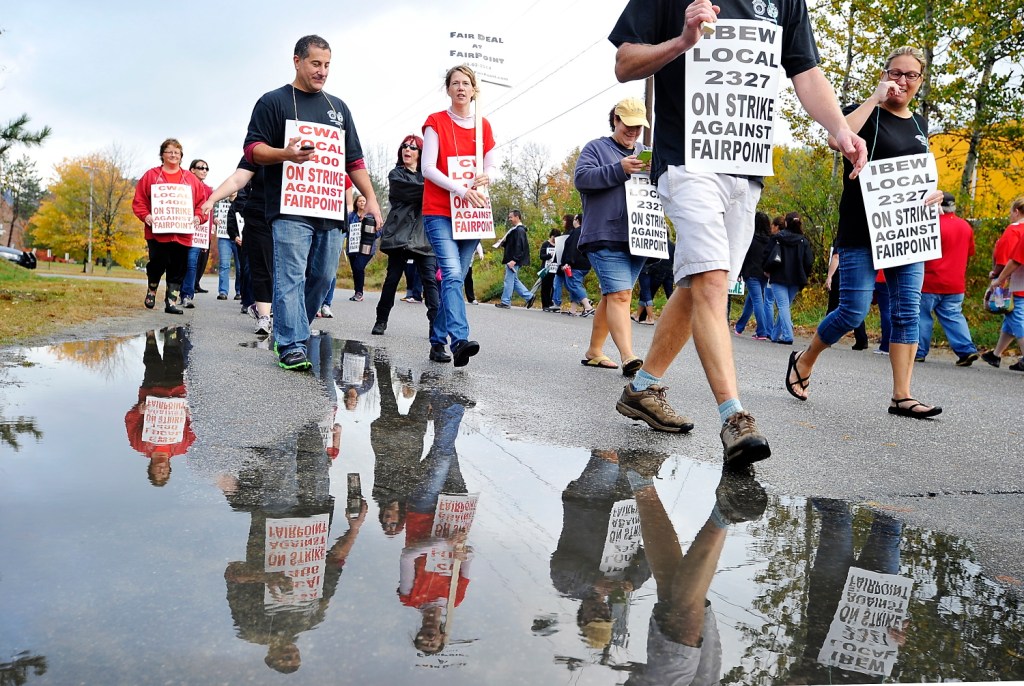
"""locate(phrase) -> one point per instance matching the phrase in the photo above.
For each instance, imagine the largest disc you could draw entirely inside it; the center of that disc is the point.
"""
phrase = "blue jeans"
(512, 283)
(188, 286)
(949, 310)
(782, 328)
(305, 261)
(573, 284)
(857, 283)
(227, 249)
(754, 304)
(454, 258)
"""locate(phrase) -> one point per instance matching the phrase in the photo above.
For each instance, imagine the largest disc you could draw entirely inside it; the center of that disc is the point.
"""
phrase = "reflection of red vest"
(427, 586)
(134, 421)
(452, 141)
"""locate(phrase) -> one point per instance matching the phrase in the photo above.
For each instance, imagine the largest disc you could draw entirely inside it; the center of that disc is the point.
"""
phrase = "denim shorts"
(1013, 323)
(616, 270)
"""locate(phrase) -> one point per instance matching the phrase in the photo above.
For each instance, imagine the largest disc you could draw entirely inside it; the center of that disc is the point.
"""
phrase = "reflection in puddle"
(486, 560)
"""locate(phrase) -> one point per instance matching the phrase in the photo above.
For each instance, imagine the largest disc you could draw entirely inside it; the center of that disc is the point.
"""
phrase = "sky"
(132, 74)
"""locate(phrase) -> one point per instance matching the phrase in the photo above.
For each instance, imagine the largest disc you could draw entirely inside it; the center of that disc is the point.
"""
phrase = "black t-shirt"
(655, 21)
(885, 135)
(267, 125)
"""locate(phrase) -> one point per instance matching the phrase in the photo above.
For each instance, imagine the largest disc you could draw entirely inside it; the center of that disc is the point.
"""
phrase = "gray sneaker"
(263, 326)
(742, 441)
(187, 303)
(651, 406)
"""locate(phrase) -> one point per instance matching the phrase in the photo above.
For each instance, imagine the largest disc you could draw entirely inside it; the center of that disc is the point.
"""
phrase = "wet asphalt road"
(960, 473)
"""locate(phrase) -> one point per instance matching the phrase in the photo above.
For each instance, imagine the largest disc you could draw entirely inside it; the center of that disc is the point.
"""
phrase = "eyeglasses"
(409, 146)
(896, 75)
(201, 168)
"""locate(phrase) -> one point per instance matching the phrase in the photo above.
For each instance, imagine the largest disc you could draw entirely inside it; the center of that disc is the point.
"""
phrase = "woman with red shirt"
(452, 133)
(168, 252)
(1002, 253)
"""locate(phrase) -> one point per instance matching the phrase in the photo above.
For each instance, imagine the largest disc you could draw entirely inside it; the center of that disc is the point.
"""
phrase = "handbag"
(998, 300)
(404, 230)
(774, 259)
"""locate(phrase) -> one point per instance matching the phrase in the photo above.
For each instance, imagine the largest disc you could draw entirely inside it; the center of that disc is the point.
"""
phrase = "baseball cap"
(632, 112)
(948, 199)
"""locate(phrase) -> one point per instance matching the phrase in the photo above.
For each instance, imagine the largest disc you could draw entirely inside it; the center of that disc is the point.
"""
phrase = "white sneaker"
(263, 326)
(186, 302)
(325, 311)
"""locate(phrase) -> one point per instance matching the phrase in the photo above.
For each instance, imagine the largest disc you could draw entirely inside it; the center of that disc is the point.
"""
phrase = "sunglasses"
(409, 146)
(201, 168)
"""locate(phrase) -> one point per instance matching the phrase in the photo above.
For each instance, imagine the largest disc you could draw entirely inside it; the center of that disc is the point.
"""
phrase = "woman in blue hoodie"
(603, 167)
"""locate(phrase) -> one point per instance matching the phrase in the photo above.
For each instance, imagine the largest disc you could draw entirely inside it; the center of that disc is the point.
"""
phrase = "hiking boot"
(263, 326)
(437, 352)
(644, 463)
(326, 313)
(651, 406)
(295, 359)
(991, 358)
(378, 328)
(967, 360)
(742, 441)
(1017, 366)
(739, 497)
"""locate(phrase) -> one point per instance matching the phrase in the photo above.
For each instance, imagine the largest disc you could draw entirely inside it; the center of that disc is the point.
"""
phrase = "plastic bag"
(998, 300)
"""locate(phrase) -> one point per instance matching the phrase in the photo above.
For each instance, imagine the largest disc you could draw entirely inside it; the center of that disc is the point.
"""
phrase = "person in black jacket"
(547, 259)
(791, 276)
(517, 254)
(572, 269)
(754, 281)
(403, 239)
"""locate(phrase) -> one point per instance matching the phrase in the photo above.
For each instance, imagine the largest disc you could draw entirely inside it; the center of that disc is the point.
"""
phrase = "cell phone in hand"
(644, 156)
(306, 147)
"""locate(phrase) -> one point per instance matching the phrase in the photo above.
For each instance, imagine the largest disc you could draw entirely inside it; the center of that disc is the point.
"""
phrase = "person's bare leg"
(617, 320)
(598, 331)
(1002, 344)
(806, 360)
(901, 359)
(711, 333)
(671, 333)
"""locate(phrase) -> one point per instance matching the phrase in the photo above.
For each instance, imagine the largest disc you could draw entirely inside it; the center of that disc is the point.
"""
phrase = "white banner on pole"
(486, 54)
(172, 208)
(732, 83)
(903, 229)
(315, 188)
(648, 234)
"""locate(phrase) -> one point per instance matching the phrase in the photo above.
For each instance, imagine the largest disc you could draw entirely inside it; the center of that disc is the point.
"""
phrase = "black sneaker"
(739, 497)
(171, 307)
(529, 302)
(1017, 366)
(742, 441)
(991, 358)
(502, 306)
(295, 359)
(437, 353)
(463, 350)
(378, 328)
(651, 406)
(967, 360)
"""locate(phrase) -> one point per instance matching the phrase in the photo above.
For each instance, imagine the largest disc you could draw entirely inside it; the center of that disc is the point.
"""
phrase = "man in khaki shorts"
(713, 213)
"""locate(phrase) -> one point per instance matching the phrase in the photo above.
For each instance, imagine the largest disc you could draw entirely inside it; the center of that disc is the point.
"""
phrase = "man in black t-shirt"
(713, 213)
(307, 239)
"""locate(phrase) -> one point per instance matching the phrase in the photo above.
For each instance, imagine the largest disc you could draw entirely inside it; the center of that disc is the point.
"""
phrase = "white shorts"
(673, 664)
(713, 215)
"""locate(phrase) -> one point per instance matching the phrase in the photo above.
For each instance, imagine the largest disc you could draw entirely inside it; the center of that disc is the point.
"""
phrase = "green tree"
(62, 222)
(20, 185)
(16, 131)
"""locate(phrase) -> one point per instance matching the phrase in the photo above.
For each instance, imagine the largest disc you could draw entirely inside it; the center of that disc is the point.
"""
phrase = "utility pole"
(88, 262)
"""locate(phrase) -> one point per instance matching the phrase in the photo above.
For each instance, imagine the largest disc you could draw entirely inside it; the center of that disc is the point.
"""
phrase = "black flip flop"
(801, 381)
(901, 411)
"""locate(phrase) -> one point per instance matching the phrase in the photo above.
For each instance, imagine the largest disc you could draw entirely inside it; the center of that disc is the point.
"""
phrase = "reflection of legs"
(881, 552)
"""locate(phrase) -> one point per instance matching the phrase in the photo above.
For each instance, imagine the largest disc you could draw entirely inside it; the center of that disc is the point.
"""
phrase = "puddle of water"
(131, 555)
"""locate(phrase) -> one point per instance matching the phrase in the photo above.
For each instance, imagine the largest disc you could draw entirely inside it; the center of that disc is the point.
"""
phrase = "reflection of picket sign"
(732, 84)
(165, 420)
(315, 188)
(622, 540)
(297, 548)
(903, 229)
(171, 208)
(468, 222)
(648, 234)
(858, 638)
(454, 514)
(352, 368)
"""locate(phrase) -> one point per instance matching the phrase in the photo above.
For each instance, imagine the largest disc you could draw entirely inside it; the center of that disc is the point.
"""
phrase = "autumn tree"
(560, 194)
(62, 222)
(20, 186)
